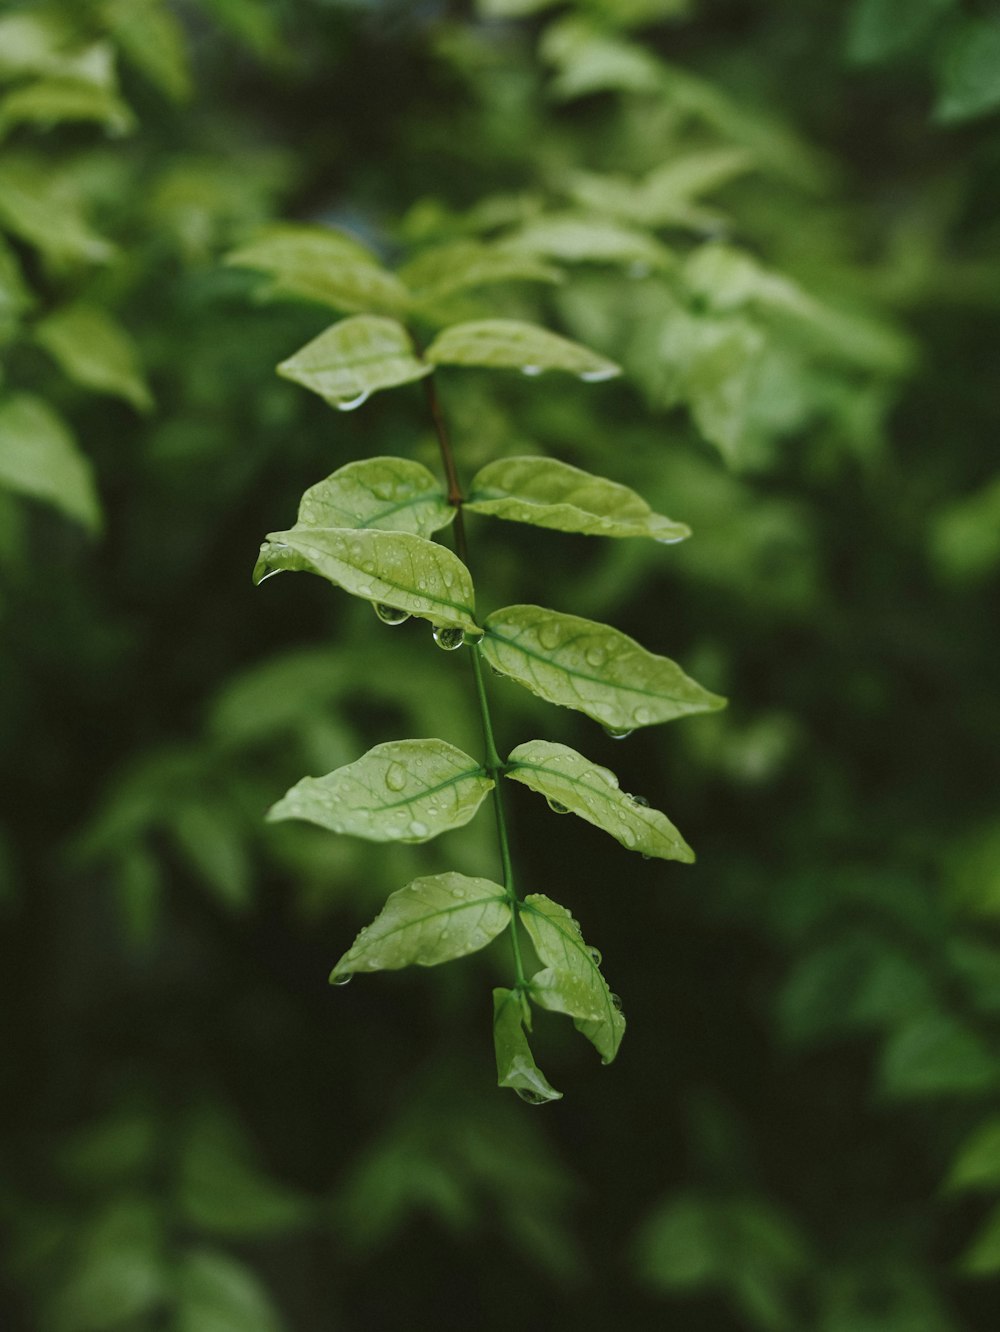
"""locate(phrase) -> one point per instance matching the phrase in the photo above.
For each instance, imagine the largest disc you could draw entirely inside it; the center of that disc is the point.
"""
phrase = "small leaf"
(152, 39)
(590, 667)
(431, 920)
(464, 265)
(548, 493)
(880, 29)
(391, 494)
(969, 83)
(396, 568)
(977, 1165)
(571, 982)
(354, 359)
(934, 1055)
(511, 344)
(39, 457)
(581, 239)
(516, 1066)
(215, 1293)
(592, 792)
(95, 351)
(50, 102)
(982, 1258)
(43, 207)
(403, 790)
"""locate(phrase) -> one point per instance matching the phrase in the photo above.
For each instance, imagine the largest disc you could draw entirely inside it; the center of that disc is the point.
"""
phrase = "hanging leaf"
(579, 238)
(590, 667)
(516, 1067)
(39, 457)
(391, 494)
(403, 790)
(431, 920)
(571, 982)
(395, 568)
(511, 344)
(95, 351)
(575, 784)
(548, 493)
(354, 359)
(465, 265)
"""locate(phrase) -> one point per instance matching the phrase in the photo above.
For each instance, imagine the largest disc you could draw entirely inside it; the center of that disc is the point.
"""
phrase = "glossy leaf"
(432, 920)
(391, 494)
(590, 667)
(39, 458)
(516, 1067)
(95, 351)
(592, 792)
(354, 359)
(584, 238)
(511, 344)
(466, 265)
(403, 790)
(548, 493)
(397, 568)
(571, 981)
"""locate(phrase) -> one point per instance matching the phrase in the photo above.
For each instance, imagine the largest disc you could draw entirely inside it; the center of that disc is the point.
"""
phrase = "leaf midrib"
(433, 915)
(581, 948)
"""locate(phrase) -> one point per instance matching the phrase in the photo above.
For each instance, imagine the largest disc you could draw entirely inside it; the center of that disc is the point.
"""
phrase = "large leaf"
(354, 359)
(431, 920)
(516, 1067)
(95, 351)
(548, 493)
(403, 790)
(571, 981)
(395, 568)
(391, 494)
(39, 457)
(511, 344)
(464, 265)
(591, 667)
(581, 787)
(581, 238)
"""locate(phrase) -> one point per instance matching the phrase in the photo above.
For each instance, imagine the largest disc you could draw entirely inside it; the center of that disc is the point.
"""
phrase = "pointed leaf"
(95, 351)
(354, 359)
(391, 494)
(39, 457)
(516, 1067)
(50, 102)
(582, 238)
(152, 39)
(591, 667)
(215, 1293)
(977, 1165)
(465, 265)
(396, 568)
(566, 777)
(403, 790)
(43, 207)
(432, 920)
(511, 344)
(571, 982)
(969, 81)
(548, 493)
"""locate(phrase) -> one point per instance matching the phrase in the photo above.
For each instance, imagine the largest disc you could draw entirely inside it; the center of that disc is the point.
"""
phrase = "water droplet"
(267, 573)
(341, 977)
(639, 800)
(616, 1000)
(532, 1097)
(390, 614)
(645, 857)
(596, 956)
(642, 716)
(369, 566)
(349, 404)
(599, 375)
(395, 777)
(556, 807)
(474, 636)
(418, 829)
(618, 732)
(595, 656)
(531, 370)
(549, 636)
(448, 636)
(496, 670)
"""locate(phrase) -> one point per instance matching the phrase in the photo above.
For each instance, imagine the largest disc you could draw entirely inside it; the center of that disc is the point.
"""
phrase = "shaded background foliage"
(781, 219)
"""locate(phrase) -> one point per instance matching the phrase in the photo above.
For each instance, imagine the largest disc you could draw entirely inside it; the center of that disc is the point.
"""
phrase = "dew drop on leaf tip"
(595, 956)
(618, 732)
(598, 376)
(532, 1097)
(531, 370)
(448, 637)
(555, 806)
(390, 614)
(341, 977)
(349, 404)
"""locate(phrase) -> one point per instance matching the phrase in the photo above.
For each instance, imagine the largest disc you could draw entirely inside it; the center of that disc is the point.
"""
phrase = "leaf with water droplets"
(553, 494)
(465, 265)
(571, 981)
(400, 791)
(432, 920)
(591, 667)
(516, 1067)
(397, 568)
(391, 494)
(592, 792)
(511, 344)
(574, 237)
(354, 359)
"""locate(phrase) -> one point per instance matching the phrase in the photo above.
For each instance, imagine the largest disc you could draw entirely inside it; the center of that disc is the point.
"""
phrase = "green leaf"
(50, 102)
(977, 1165)
(516, 1067)
(465, 265)
(667, 195)
(934, 1055)
(969, 82)
(396, 568)
(95, 351)
(511, 344)
(354, 359)
(215, 1293)
(403, 790)
(880, 29)
(391, 494)
(120, 1273)
(45, 44)
(548, 493)
(590, 667)
(588, 61)
(43, 207)
(152, 39)
(965, 535)
(571, 982)
(431, 920)
(581, 787)
(39, 457)
(323, 265)
(579, 238)
(982, 1258)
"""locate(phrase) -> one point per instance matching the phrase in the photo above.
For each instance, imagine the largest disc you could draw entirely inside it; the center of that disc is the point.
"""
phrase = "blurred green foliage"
(780, 218)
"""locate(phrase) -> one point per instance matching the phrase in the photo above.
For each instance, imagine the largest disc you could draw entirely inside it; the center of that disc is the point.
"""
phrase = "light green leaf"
(396, 568)
(50, 102)
(354, 359)
(324, 265)
(548, 493)
(39, 457)
(464, 265)
(15, 295)
(581, 787)
(587, 239)
(591, 667)
(151, 38)
(571, 982)
(516, 1066)
(969, 82)
(432, 920)
(215, 1293)
(511, 344)
(43, 207)
(508, 9)
(589, 61)
(403, 790)
(965, 535)
(95, 351)
(44, 44)
(977, 1165)
(666, 196)
(391, 494)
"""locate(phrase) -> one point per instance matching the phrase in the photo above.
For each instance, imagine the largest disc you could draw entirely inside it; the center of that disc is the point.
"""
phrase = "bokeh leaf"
(969, 81)
(581, 238)
(218, 1294)
(354, 359)
(391, 494)
(466, 265)
(977, 1165)
(516, 1067)
(39, 458)
(50, 102)
(512, 344)
(95, 351)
